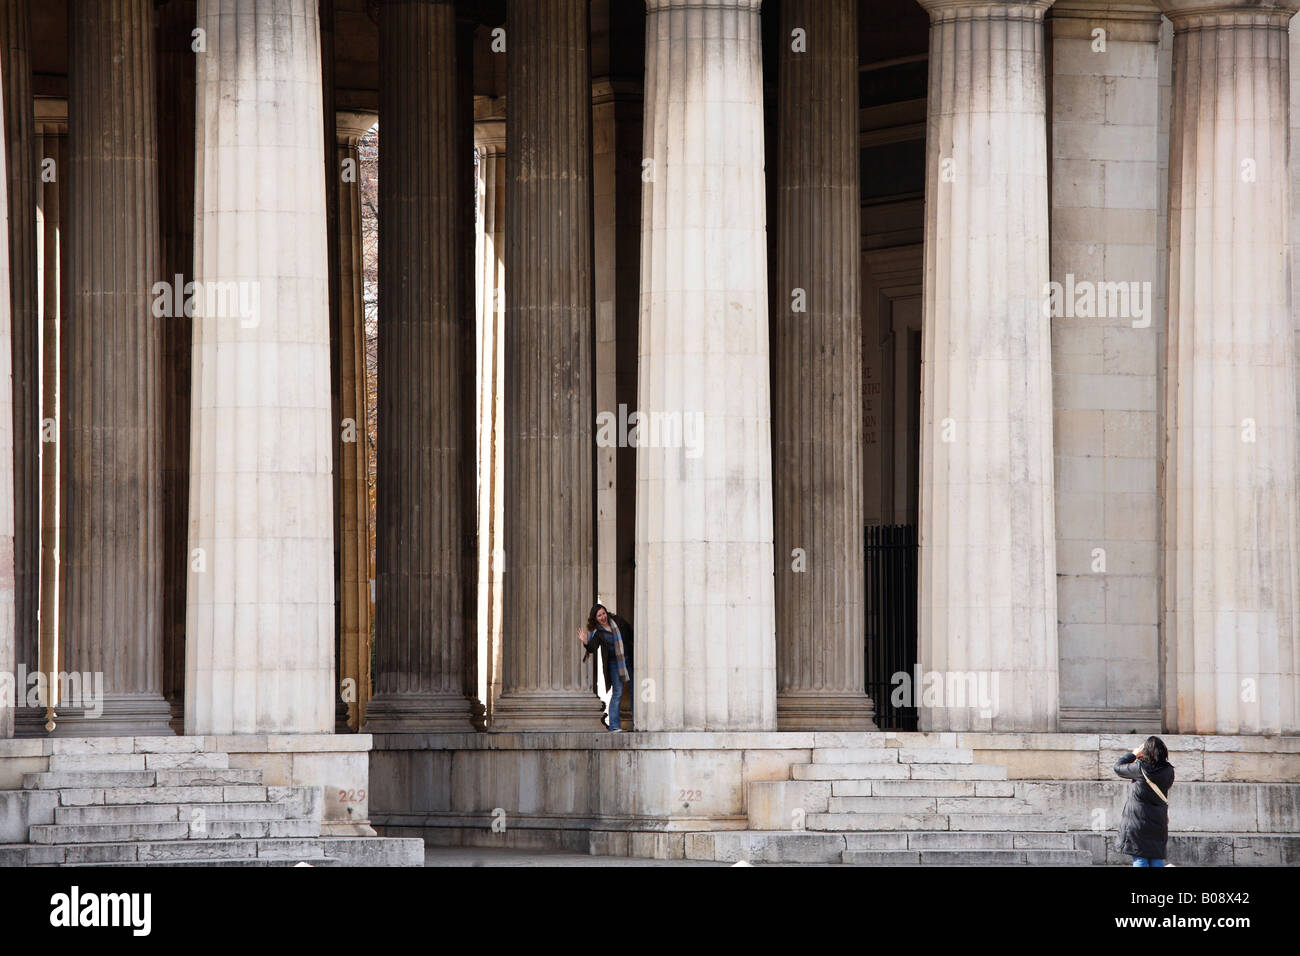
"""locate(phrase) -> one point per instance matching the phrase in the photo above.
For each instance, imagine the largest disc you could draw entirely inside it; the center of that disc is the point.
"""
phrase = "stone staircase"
(165, 808)
(907, 800)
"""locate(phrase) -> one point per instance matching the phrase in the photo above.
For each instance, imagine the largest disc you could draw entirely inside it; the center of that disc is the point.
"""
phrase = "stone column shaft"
(51, 253)
(1232, 650)
(704, 586)
(987, 589)
(490, 140)
(419, 680)
(549, 545)
(9, 688)
(20, 141)
(354, 507)
(817, 376)
(111, 556)
(260, 602)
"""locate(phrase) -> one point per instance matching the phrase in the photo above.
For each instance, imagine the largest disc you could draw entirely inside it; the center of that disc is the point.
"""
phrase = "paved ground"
(491, 856)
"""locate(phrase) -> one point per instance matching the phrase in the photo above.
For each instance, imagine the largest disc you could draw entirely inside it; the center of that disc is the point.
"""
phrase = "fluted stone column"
(419, 668)
(817, 376)
(704, 587)
(176, 78)
(111, 559)
(490, 247)
(260, 603)
(987, 589)
(353, 506)
(11, 693)
(1232, 654)
(52, 222)
(20, 141)
(549, 545)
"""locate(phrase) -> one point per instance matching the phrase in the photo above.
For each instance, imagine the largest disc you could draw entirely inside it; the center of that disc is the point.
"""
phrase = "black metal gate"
(891, 552)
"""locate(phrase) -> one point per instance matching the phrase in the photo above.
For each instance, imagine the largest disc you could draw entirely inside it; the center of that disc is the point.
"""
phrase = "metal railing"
(891, 566)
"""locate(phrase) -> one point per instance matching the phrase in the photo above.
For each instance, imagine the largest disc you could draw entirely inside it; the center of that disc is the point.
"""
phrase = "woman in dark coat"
(1144, 826)
(613, 635)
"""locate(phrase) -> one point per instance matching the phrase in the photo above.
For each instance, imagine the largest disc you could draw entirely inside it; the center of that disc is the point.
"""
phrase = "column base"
(831, 712)
(420, 714)
(534, 711)
(121, 715)
(30, 722)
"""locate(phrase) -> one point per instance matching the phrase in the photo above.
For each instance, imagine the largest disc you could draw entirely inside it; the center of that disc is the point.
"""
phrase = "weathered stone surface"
(424, 180)
(110, 466)
(704, 527)
(988, 552)
(549, 418)
(817, 417)
(1232, 532)
(260, 616)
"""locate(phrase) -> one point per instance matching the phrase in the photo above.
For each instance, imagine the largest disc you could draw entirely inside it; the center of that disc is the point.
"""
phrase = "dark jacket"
(1144, 825)
(605, 640)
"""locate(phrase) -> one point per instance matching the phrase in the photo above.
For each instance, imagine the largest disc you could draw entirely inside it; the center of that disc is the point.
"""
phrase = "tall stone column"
(549, 544)
(987, 589)
(177, 64)
(51, 254)
(11, 695)
(354, 505)
(419, 680)
(817, 376)
(704, 587)
(490, 247)
(111, 556)
(1232, 531)
(260, 603)
(20, 142)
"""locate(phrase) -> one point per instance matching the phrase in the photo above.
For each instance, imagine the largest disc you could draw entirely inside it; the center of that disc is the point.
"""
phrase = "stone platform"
(864, 798)
(261, 800)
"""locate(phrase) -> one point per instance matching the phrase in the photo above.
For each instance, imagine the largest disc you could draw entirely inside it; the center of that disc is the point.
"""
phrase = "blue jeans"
(616, 696)
(1144, 861)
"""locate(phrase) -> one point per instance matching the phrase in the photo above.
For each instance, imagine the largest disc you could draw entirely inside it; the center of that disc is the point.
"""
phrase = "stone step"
(854, 755)
(1033, 820)
(174, 795)
(78, 780)
(172, 851)
(967, 858)
(950, 771)
(108, 763)
(912, 738)
(209, 778)
(923, 788)
(168, 812)
(256, 861)
(128, 745)
(959, 840)
(921, 804)
(86, 780)
(845, 822)
(851, 771)
(881, 805)
(984, 805)
(859, 755)
(902, 771)
(51, 834)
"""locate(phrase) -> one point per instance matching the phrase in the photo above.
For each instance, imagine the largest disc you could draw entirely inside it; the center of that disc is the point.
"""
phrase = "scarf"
(618, 652)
